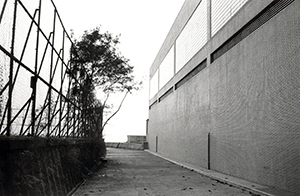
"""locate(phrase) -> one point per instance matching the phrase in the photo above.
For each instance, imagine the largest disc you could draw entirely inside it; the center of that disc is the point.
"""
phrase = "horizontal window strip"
(269, 12)
(167, 93)
(154, 85)
(166, 68)
(155, 102)
(192, 73)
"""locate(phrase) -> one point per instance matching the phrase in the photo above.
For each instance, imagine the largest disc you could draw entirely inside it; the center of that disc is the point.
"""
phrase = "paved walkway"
(138, 173)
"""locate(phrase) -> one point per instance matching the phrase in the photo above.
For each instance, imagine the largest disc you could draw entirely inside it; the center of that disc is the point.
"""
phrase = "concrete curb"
(236, 182)
(73, 191)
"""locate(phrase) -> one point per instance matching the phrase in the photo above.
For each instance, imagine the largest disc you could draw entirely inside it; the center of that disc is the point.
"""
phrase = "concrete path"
(137, 173)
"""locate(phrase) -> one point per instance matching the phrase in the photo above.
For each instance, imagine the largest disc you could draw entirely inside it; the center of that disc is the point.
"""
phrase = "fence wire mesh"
(34, 85)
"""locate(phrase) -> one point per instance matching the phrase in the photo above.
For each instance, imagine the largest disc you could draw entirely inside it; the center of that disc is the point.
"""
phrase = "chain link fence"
(35, 89)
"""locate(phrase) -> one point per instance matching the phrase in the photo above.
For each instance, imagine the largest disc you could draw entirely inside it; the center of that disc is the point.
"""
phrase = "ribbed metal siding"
(166, 69)
(193, 37)
(263, 17)
(222, 11)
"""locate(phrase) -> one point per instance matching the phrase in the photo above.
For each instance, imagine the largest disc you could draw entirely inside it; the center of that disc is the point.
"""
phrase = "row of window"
(193, 37)
(186, 78)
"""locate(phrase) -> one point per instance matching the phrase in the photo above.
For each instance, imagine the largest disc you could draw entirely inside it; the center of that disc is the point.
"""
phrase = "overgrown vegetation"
(97, 65)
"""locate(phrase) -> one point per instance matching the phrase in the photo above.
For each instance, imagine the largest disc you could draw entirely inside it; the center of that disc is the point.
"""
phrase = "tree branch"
(104, 103)
(115, 111)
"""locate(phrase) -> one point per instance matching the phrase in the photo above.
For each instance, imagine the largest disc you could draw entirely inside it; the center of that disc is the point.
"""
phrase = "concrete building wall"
(247, 99)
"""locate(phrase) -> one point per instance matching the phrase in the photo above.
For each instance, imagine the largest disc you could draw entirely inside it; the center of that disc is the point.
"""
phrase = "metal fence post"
(50, 78)
(34, 78)
(45, 120)
(61, 87)
(11, 71)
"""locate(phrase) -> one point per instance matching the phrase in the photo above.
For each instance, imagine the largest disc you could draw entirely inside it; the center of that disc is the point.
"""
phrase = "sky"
(143, 26)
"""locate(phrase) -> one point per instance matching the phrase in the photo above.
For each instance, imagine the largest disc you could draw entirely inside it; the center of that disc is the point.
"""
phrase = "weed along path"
(139, 173)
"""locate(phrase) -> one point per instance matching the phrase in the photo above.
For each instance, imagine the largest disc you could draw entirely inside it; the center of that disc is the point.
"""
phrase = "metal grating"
(155, 102)
(167, 93)
(191, 74)
(264, 16)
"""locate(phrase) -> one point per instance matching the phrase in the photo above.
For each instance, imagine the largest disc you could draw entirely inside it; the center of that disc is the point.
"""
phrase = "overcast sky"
(143, 25)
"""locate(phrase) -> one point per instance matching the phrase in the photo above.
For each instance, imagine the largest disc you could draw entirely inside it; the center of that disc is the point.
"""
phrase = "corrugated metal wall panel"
(193, 37)
(166, 69)
(222, 11)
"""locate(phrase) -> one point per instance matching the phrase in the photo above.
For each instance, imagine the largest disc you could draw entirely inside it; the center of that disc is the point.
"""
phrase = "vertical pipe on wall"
(147, 126)
(208, 62)
(156, 144)
(208, 151)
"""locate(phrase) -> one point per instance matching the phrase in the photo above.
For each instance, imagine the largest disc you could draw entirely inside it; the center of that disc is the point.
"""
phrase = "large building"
(225, 90)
